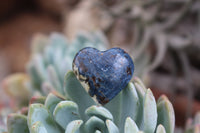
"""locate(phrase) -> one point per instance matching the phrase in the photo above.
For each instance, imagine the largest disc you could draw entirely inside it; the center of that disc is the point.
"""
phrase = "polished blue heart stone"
(103, 73)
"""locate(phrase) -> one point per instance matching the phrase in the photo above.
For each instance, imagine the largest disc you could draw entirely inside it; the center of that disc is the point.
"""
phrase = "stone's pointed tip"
(103, 73)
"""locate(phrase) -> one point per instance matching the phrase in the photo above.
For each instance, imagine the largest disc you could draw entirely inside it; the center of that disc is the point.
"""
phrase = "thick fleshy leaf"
(37, 99)
(100, 112)
(150, 112)
(94, 123)
(74, 126)
(51, 102)
(54, 79)
(166, 114)
(130, 104)
(35, 78)
(57, 44)
(97, 131)
(38, 127)
(140, 88)
(37, 112)
(130, 126)
(65, 112)
(160, 129)
(77, 93)
(139, 83)
(112, 128)
(38, 63)
(36, 71)
(17, 123)
(57, 39)
(55, 56)
(47, 88)
(114, 106)
(38, 44)
(15, 86)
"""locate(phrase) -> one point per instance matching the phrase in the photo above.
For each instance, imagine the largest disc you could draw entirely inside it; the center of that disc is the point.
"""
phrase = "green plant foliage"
(133, 110)
(66, 107)
(17, 123)
(52, 57)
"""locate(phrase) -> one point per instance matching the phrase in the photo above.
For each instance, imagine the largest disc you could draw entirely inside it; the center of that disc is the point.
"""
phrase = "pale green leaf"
(65, 112)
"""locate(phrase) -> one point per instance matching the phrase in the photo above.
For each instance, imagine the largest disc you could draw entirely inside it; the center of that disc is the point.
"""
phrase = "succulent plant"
(70, 109)
(133, 110)
(15, 87)
(193, 125)
(18, 95)
(52, 57)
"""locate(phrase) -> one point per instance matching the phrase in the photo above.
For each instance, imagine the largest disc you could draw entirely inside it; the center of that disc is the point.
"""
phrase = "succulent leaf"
(130, 109)
(17, 123)
(54, 79)
(74, 126)
(51, 102)
(99, 111)
(38, 112)
(65, 112)
(114, 106)
(140, 132)
(160, 129)
(76, 93)
(37, 99)
(95, 123)
(141, 93)
(40, 70)
(150, 112)
(15, 86)
(39, 43)
(130, 126)
(166, 114)
(38, 127)
(112, 128)
(97, 131)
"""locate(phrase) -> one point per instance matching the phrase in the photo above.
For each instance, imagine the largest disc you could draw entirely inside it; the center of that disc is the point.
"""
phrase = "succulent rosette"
(52, 57)
(69, 108)
(134, 109)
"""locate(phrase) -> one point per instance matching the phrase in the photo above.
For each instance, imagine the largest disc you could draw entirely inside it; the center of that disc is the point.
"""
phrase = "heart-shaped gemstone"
(103, 73)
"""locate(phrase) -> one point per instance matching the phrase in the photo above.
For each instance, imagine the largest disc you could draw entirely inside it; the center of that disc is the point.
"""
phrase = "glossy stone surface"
(103, 73)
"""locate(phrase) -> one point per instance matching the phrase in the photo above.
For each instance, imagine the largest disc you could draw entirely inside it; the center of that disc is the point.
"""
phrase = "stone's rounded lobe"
(103, 73)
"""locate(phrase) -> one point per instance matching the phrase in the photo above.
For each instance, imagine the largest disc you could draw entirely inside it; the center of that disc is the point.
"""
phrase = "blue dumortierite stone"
(103, 73)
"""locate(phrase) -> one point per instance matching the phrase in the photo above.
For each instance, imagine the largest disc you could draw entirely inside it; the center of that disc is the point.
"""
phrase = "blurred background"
(162, 36)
